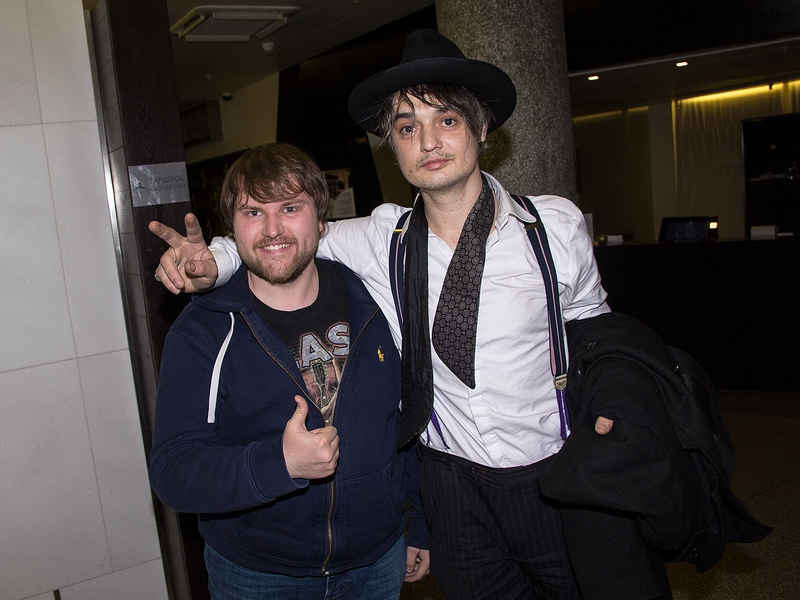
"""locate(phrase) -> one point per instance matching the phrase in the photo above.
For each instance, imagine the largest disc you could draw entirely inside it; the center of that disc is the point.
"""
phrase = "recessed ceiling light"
(683, 63)
(594, 77)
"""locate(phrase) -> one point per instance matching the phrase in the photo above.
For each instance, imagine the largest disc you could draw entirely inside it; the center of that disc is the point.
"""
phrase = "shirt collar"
(506, 207)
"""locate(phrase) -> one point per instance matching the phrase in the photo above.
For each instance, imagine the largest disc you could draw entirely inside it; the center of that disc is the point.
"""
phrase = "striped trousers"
(492, 535)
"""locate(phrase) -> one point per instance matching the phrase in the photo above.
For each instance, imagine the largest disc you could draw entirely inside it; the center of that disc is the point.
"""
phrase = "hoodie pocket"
(245, 522)
(370, 509)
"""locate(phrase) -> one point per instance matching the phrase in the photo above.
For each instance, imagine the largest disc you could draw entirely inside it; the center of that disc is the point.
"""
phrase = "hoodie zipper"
(329, 524)
(333, 492)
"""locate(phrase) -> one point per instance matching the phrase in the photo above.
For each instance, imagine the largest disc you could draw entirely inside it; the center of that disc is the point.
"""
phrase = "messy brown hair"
(269, 173)
(445, 96)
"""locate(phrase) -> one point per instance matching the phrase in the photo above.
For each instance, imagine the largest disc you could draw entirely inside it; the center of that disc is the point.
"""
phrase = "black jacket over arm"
(668, 459)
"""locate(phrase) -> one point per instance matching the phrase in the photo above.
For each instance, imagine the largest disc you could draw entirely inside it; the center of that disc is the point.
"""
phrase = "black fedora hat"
(429, 57)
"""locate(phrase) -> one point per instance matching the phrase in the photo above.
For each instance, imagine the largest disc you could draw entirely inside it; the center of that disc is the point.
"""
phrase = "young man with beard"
(477, 384)
(278, 408)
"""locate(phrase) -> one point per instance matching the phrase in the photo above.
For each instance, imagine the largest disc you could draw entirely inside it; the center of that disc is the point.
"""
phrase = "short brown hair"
(447, 96)
(269, 173)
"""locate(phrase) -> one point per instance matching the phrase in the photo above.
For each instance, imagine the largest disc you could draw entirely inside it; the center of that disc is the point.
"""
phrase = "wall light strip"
(761, 89)
(613, 114)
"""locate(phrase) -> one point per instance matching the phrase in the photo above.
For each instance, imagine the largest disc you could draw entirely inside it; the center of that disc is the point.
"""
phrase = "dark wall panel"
(731, 305)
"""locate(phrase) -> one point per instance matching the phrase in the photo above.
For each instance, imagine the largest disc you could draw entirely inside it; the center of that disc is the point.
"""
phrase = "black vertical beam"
(141, 123)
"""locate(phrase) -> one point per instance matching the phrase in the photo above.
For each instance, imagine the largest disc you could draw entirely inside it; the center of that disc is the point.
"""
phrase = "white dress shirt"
(511, 417)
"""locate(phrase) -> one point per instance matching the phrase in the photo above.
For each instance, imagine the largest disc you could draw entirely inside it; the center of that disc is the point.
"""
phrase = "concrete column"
(533, 152)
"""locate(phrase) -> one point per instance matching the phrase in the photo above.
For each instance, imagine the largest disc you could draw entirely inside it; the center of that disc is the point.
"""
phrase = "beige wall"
(394, 187)
(662, 163)
(248, 119)
(75, 508)
(614, 173)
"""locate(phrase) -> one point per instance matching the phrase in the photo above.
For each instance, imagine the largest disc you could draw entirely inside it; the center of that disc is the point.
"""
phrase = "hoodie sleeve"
(418, 528)
(190, 470)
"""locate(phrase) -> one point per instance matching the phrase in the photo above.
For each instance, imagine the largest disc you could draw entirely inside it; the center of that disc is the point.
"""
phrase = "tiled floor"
(766, 431)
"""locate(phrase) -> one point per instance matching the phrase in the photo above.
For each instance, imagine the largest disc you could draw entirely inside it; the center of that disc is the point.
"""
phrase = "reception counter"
(731, 305)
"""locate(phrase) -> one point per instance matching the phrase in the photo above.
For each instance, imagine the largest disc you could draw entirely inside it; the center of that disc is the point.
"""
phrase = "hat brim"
(486, 81)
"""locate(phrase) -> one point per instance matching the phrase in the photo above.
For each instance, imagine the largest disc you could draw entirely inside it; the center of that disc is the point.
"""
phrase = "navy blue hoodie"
(226, 390)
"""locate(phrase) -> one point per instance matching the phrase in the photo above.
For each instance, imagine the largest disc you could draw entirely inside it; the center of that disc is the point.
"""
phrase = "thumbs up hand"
(309, 454)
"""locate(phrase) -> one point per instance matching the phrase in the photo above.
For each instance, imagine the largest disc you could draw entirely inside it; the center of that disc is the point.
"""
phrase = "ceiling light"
(682, 63)
(231, 23)
(593, 77)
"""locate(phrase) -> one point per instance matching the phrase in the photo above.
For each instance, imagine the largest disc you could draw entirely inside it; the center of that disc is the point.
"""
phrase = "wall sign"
(163, 183)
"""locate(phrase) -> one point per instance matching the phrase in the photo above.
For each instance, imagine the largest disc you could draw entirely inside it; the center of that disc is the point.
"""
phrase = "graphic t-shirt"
(318, 336)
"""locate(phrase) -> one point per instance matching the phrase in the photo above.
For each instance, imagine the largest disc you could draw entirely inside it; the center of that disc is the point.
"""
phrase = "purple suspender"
(558, 352)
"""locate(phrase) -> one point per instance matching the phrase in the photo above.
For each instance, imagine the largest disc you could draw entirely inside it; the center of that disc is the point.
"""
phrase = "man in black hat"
(477, 386)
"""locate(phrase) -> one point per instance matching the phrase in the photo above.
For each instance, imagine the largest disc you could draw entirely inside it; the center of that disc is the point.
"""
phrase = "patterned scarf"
(454, 325)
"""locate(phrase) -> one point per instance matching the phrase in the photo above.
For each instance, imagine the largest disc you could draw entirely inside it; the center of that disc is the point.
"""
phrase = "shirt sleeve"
(362, 244)
(227, 257)
(587, 298)
(581, 290)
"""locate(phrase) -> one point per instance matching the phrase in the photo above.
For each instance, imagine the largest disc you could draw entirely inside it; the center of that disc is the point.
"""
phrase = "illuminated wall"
(614, 178)
(708, 142)
(625, 160)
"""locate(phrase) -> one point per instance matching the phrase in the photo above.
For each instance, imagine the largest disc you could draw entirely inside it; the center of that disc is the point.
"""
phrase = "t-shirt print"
(321, 362)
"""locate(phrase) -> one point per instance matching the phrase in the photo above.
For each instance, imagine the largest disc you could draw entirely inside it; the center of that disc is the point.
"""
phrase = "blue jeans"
(379, 581)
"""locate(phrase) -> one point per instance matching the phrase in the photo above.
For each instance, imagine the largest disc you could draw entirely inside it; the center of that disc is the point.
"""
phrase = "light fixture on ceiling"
(593, 77)
(231, 23)
(682, 63)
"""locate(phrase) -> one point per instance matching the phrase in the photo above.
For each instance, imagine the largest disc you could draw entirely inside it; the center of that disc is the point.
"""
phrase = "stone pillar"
(533, 152)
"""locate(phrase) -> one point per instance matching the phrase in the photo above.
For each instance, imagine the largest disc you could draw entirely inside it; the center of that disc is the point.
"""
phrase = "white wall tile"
(33, 302)
(84, 231)
(63, 78)
(18, 99)
(52, 530)
(74, 497)
(119, 458)
(142, 582)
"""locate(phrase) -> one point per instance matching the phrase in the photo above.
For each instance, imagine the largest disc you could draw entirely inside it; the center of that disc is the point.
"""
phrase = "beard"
(278, 271)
